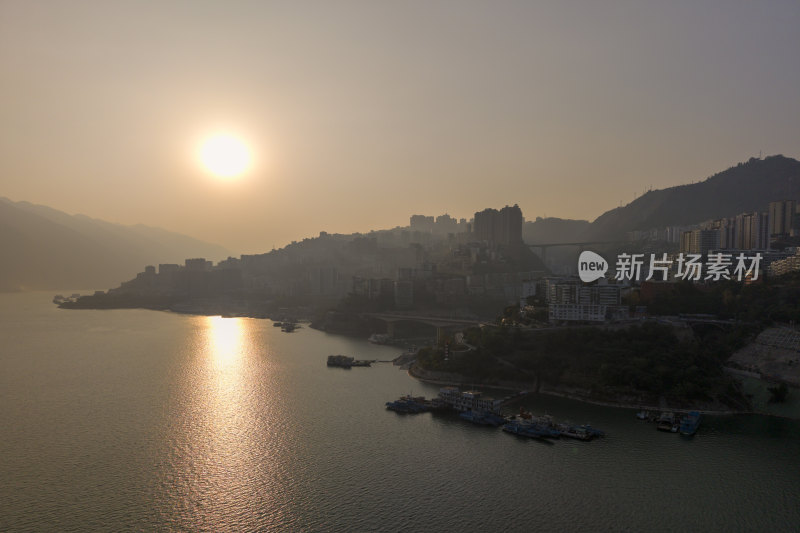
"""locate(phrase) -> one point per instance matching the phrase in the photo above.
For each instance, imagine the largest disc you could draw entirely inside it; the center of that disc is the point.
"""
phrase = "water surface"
(141, 420)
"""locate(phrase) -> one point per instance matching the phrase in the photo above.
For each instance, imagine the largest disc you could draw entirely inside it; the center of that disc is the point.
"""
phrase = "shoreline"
(619, 405)
(462, 382)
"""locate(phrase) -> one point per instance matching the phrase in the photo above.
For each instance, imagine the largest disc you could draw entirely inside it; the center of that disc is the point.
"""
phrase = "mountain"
(550, 230)
(746, 187)
(43, 248)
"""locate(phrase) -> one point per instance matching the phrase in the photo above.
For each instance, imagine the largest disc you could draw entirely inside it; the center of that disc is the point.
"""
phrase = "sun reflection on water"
(230, 459)
(226, 340)
(217, 427)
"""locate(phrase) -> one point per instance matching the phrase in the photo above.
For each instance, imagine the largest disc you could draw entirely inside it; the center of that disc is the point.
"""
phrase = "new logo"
(591, 266)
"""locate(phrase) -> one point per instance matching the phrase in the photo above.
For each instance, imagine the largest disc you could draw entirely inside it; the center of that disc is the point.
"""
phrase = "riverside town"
(358, 266)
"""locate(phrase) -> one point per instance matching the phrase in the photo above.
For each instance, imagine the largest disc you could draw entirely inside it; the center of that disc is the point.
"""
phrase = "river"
(143, 420)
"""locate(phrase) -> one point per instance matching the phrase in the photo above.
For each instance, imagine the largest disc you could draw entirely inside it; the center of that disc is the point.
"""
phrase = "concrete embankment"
(457, 380)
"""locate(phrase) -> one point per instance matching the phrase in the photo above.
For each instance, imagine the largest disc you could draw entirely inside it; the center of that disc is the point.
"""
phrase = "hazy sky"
(362, 113)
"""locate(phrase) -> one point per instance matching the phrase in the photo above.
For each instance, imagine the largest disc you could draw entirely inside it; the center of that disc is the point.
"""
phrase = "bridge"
(721, 323)
(443, 325)
(580, 245)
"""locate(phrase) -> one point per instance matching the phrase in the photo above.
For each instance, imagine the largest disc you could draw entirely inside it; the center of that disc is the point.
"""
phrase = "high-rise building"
(445, 224)
(686, 242)
(700, 241)
(168, 268)
(324, 280)
(403, 294)
(499, 227)
(782, 217)
(727, 235)
(198, 264)
(751, 231)
(421, 223)
(763, 231)
(746, 231)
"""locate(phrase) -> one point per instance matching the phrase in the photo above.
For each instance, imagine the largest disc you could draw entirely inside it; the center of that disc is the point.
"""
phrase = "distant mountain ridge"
(43, 248)
(746, 187)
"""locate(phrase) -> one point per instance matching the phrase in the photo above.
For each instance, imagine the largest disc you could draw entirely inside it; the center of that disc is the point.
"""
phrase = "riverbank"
(452, 379)
(457, 380)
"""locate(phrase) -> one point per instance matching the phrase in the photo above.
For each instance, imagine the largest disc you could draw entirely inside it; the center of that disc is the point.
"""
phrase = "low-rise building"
(784, 266)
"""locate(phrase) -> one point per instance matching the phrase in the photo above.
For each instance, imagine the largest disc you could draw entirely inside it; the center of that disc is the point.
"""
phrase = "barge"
(343, 361)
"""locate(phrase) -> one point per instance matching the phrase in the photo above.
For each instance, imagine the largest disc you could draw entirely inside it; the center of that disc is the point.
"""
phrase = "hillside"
(744, 188)
(47, 249)
(551, 229)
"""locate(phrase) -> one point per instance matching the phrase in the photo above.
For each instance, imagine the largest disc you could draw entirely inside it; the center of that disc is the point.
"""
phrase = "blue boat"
(549, 432)
(690, 423)
(594, 432)
(517, 428)
(483, 418)
(527, 429)
(546, 425)
(407, 404)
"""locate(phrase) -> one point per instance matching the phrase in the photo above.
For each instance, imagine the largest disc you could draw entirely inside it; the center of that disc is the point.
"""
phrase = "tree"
(778, 393)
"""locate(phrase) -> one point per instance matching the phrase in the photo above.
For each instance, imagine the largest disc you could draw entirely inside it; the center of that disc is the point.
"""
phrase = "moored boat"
(483, 418)
(574, 432)
(408, 404)
(665, 421)
(344, 361)
(341, 361)
(527, 428)
(594, 432)
(690, 423)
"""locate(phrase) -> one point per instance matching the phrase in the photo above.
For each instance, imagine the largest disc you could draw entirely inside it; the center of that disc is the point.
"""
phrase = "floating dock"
(343, 361)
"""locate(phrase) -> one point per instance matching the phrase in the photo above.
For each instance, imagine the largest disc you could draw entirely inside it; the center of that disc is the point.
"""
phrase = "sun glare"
(227, 339)
(225, 156)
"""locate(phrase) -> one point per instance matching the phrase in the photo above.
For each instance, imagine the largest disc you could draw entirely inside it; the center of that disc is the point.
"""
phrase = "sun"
(225, 156)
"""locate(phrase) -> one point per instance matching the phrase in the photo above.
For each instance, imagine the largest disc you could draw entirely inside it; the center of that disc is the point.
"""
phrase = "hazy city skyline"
(359, 114)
